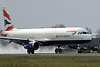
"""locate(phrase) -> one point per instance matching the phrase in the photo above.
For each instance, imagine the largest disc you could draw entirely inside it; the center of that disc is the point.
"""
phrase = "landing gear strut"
(58, 50)
(30, 51)
(79, 48)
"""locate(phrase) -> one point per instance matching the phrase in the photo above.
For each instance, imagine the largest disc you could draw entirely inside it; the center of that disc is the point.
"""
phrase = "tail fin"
(7, 20)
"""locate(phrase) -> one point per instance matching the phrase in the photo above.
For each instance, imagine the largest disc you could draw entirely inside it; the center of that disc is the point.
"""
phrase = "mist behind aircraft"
(12, 48)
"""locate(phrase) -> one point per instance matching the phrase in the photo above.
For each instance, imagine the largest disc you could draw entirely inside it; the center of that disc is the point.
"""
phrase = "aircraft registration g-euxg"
(31, 39)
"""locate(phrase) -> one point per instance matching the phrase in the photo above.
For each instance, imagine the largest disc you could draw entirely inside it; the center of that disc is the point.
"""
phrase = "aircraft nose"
(89, 37)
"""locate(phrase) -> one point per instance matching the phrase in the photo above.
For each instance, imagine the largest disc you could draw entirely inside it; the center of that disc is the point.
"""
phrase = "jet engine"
(32, 45)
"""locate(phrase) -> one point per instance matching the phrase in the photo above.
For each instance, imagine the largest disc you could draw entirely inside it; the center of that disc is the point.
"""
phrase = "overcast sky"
(47, 13)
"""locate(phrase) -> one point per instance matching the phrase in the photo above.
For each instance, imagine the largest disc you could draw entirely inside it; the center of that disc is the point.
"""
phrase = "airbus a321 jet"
(31, 39)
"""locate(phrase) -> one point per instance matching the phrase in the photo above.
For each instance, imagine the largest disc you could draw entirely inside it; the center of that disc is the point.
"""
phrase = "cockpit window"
(79, 32)
(83, 32)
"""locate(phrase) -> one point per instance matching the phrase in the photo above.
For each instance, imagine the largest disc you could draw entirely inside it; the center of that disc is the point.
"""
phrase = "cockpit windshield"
(83, 32)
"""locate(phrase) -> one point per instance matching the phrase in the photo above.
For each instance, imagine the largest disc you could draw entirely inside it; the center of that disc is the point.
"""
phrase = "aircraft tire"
(28, 51)
(32, 51)
(58, 51)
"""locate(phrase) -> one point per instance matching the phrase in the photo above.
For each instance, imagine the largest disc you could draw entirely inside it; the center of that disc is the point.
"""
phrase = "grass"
(49, 61)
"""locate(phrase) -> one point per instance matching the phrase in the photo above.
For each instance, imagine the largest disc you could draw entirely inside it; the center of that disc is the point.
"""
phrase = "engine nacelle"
(32, 45)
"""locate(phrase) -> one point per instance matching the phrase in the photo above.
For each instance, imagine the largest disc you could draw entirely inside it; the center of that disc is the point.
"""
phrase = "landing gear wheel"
(58, 50)
(30, 51)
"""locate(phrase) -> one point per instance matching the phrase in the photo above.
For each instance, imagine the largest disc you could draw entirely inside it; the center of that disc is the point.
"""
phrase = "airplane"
(31, 39)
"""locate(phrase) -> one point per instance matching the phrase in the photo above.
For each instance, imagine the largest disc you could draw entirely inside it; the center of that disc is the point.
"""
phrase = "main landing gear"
(58, 50)
(30, 51)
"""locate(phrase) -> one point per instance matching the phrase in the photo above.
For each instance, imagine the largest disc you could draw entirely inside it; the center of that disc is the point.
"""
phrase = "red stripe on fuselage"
(6, 15)
(71, 31)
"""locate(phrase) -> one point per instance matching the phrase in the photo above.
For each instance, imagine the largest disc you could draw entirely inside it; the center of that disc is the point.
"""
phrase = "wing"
(21, 41)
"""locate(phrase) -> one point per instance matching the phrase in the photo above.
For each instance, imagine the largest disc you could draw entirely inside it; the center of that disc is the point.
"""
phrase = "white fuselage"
(51, 34)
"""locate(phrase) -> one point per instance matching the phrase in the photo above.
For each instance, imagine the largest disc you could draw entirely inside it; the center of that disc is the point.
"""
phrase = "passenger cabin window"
(83, 32)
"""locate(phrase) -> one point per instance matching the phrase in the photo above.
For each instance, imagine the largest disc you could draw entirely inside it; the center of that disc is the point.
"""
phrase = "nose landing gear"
(79, 48)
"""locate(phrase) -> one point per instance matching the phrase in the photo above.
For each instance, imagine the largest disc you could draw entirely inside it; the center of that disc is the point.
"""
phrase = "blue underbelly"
(66, 42)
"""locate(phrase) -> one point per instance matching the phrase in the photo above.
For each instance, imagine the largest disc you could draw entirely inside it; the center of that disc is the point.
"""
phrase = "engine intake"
(32, 45)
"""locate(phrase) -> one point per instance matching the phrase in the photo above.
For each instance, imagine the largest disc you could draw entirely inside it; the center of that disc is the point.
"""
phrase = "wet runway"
(69, 54)
(53, 54)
